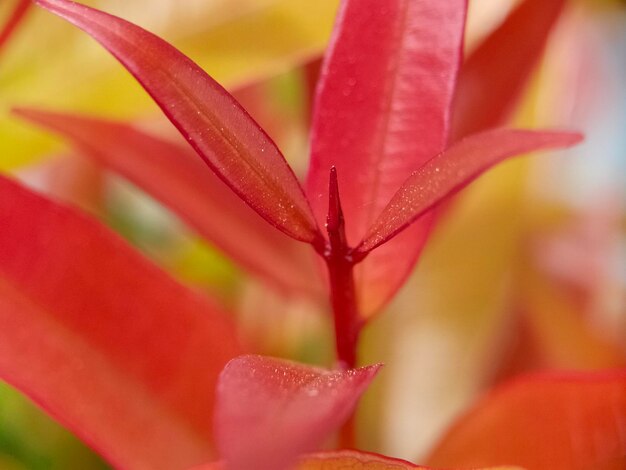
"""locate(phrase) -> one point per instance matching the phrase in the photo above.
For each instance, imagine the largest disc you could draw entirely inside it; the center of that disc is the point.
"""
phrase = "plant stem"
(347, 433)
(340, 263)
(348, 322)
(345, 311)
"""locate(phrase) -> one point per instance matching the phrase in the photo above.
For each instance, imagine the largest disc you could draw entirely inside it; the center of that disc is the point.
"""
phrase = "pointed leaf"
(269, 410)
(174, 175)
(453, 169)
(222, 39)
(16, 16)
(494, 75)
(382, 110)
(550, 422)
(103, 340)
(454, 310)
(216, 126)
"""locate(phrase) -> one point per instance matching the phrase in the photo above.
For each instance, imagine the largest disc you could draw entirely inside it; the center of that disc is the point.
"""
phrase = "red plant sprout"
(151, 374)
(340, 261)
(281, 262)
(381, 111)
(13, 21)
(246, 159)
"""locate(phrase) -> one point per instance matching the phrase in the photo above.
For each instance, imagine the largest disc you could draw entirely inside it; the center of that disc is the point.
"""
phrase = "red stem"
(347, 433)
(340, 263)
(340, 260)
(348, 322)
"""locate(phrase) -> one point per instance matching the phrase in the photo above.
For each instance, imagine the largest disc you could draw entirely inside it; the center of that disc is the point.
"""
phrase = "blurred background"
(526, 272)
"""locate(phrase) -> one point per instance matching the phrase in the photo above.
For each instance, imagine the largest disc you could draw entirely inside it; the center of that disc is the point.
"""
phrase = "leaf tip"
(565, 138)
(576, 137)
(372, 370)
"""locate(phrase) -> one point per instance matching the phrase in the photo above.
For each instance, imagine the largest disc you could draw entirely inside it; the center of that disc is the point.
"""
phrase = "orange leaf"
(573, 421)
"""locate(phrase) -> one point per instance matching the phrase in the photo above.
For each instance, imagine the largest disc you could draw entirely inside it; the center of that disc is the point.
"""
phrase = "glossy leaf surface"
(269, 411)
(551, 422)
(382, 110)
(103, 340)
(493, 77)
(451, 170)
(176, 176)
(212, 121)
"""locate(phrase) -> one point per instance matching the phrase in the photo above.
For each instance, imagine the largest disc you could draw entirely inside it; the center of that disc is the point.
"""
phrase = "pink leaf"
(174, 175)
(494, 75)
(269, 410)
(13, 21)
(103, 340)
(573, 421)
(382, 111)
(453, 169)
(216, 126)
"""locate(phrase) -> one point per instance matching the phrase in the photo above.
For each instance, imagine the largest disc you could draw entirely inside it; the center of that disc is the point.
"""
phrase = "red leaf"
(213, 122)
(494, 75)
(103, 340)
(348, 460)
(551, 422)
(174, 175)
(269, 411)
(453, 169)
(382, 110)
(15, 18)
